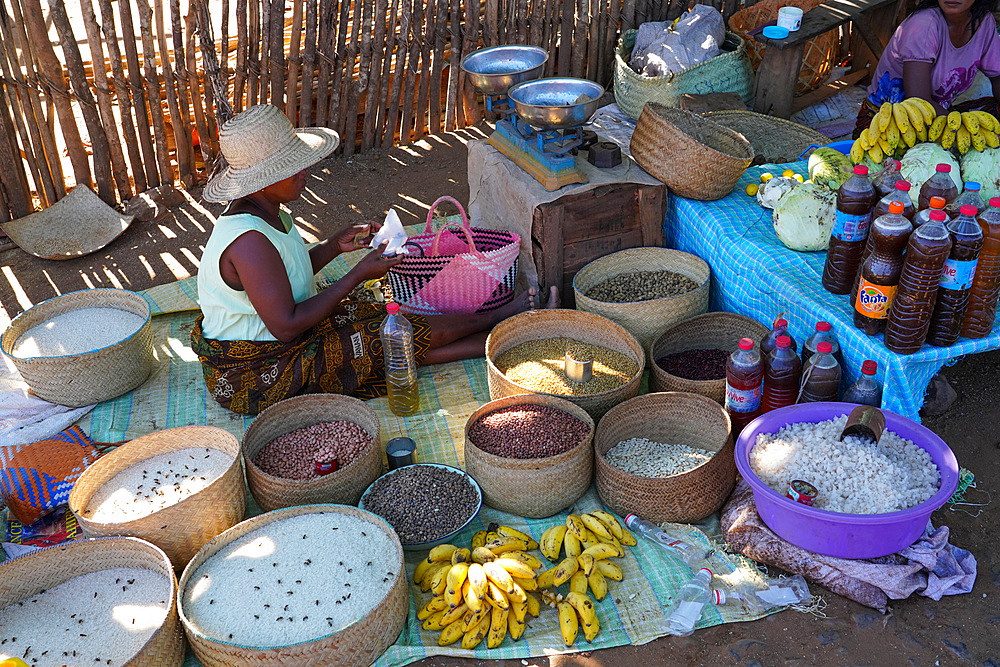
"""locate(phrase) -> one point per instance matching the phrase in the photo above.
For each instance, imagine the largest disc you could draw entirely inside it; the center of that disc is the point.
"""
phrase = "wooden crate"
(573, 230)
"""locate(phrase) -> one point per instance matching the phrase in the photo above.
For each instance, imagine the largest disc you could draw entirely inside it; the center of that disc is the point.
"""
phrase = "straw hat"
(261, 148)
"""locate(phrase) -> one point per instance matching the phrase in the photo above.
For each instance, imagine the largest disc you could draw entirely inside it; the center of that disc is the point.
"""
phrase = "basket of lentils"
(316, 448)
(527, 354)
(691, 355)
(666, 456)
(644, 290)
(532, 455)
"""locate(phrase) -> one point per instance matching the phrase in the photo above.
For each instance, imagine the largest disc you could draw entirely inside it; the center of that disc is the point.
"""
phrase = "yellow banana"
(577, 527)
(947, 138)
(971, 123)
(954, 121)
(421, 570)
(517, 594)
(472, 618)
(627, 538)
(598, 584)
(586, 562)
(439, 582)
(979, 140)
(461, 556)
(513, 532)
(595, 525)
(963, 140)
(909, 137)
(930, 113)
(452, 615)
(887, 148)
(867, 138)
(435, 604)
(456, 581)
(600, 551)
(921, 133)
(936, 128)
(525, 558)
(901, 118)
(477, 582)
(431, 573)
(477, 633)
(515, 626)
(857, 152)
(552, 540)
(992, 140)
(578, 582)
(611, 521)
(499, 575)
(519, 608)
(491, 535)
(573, 546)
(479, 539)
(876, 154)
(514, 568)
(568, 623)
(433, 622)
(473, 602)
(914, 113)
(482, 555)
(534, 606)
(526, 584)
(584, 606)
(547, 579)
(609, 570)
(589, 541)
(616, 544)
(451, 634)
(441, 552)
(565, 570)
(498, 628)
(504, 544)
(988, 121)
(883, 117)
(496, 597)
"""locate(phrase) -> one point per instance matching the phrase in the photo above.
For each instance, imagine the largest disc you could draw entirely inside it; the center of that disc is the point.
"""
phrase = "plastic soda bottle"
(820, 377)
(956, 278)
(938, 185)
(855, 201)
(885, 181)
(769, 342)
(910, 315)
(691, 601)
(824, 333)
(879, 277)
(970, 196)
(895, 217)
(901, 193)
(866, 390)
(986, 286)
(924, 216)
(400, 362)
(694, 556)
(781, 376)
(744, 385)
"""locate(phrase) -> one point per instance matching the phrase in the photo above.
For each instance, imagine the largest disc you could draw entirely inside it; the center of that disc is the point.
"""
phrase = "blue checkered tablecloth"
(754, 274)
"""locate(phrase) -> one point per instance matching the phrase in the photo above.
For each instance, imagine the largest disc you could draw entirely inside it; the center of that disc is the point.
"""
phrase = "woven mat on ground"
(754, 274)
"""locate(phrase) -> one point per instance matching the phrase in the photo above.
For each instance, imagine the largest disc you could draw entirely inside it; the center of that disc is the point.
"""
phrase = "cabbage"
(984, 168)
(803, 218)
(920, 162)
(777, 187)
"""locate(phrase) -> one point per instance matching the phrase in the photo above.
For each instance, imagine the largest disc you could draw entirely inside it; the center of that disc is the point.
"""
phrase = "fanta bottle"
(880, 273)
(938, 185)
(781, 377)
(956, 278)
(744, 385)
(895, 214)
(982, 308)
(855, 201)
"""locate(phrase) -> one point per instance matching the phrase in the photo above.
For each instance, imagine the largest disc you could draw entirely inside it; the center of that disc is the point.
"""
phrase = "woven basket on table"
(817, 56)
(774, 140)
(89, 377)
(670, 418)
(32, 573)
(644, 319)
(561, 323)
(721, 331)
(343, 486)
(696, 158)
(357, 645)
(728, 72)
(182, 528)
(532, 488)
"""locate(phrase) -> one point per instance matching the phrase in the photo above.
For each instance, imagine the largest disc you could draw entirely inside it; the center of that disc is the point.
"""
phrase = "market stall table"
(755, 275)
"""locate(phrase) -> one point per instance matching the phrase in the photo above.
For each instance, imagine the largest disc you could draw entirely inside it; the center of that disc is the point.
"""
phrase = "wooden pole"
(551, 34)
(213, 73)
(149, 157)
(402, 44)
(294, 65)
(253, 66)
(224, 41)
(568, 8)
(425, 69)
(354, 99)
(580, 38)
(265, 49)
(153, 91)
(325, 46)
(373, 88)
(239, 84)
(522, 21)
(491, 29)
(470, 42)
(385, 81)
(537, 20)
(17, 197)
(452, 103)
(182, 135)
(593, 39)
(308, 66)
(348, 90)
(412, 63)
(628, 15)
(181, 82)
(277, 58)
(342, 60)
(437, 66)
(612, 28)
(204, 144)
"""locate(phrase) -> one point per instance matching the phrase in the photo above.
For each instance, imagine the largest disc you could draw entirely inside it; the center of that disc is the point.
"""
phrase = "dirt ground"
(957, 630)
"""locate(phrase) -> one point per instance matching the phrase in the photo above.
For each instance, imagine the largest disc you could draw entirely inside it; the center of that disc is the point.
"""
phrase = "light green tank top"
(229, 315)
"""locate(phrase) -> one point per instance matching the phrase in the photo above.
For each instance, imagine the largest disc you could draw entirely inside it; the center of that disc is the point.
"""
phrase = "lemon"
(766, 176)
(752, 189)
(788, 173)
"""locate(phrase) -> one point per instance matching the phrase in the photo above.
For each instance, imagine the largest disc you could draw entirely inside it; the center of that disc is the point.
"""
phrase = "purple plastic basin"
(835, 533)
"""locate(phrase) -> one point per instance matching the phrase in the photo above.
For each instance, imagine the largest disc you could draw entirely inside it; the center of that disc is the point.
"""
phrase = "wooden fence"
(143, 109)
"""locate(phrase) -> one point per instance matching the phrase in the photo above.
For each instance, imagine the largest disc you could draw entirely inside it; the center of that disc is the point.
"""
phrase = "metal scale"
(540, 125)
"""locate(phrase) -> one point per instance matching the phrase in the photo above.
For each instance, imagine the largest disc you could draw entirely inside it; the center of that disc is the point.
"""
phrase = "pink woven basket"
(460, 269)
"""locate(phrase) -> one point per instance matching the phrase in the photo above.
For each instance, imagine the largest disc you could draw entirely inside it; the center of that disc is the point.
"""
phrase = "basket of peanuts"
(317, 448)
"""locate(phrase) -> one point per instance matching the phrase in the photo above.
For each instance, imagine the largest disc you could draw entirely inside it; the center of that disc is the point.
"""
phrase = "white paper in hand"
(392, 231)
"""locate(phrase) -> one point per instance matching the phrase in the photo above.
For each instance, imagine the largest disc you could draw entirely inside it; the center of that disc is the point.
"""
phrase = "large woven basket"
(696, 157)
(182, 528)
(357, 645)
(774, 140)
(532, 488)
(32, 573)
(343, 486)
(728, 72)
(561, 323)
(721, 331)
(644, 319)
(90, 377)
(817, 56)
(671, 418)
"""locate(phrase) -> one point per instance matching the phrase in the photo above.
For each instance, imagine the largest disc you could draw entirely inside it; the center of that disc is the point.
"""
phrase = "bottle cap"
(775, 32)
(967, 209)
(869, 367)
(861, 170)
(896, 207)
(938, 202)
(823, 325)
(903, 186)
(972, 185)
(899, 165)
(629, 517)
(705, 569)
(746, 344)
(392, 307)
(824, 347)
(944, 168)
(780, 322)
(995, 202)
(783, 341)
(938, 216)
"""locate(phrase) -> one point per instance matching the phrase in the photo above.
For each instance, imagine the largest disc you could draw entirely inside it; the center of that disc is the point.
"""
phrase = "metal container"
(494, 70)
(553, 103)
(579, 370)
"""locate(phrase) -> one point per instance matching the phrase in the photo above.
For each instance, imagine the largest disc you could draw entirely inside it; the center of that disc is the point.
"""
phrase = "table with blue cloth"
(755, 275)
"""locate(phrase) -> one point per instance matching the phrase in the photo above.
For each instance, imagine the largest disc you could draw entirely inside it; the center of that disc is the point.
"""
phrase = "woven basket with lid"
(182, 528)
(721, 331)
(357, 645)
(76, 380)
(532, 488)
(671, 418)
(774, 140)
(32, 573)
(696, 157)
(644, 319)
(343, 486)
(560, 323)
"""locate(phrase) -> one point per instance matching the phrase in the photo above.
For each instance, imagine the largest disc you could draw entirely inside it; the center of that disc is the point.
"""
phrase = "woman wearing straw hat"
(265, 334)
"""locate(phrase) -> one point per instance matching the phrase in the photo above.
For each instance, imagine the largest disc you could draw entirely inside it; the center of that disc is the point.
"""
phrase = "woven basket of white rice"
(176, 488)
(108, 601)
(302, 586)
(82, 347)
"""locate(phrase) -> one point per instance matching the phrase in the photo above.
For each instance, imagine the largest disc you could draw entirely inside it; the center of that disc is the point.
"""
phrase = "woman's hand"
(356, 237)
(374, 265)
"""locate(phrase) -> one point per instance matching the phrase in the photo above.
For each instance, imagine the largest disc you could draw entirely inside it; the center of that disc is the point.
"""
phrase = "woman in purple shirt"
(935, 54)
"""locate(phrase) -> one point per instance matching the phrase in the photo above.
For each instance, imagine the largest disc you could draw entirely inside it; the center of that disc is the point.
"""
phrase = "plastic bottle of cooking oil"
(400, 362)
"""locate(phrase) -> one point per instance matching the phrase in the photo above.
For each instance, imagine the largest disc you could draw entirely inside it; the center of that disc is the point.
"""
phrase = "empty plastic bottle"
(866, 390)
(878, 278)
(820, 377)
(885, 181)
(856, 199)
(924, 216)
(781, 377)
(910, 315)
(744, 385)
(982, 310)
(956, 279)
(769, 342)
(690, 603)
(970, 196)
(400, 362)
(938, 185)
(694, 556)
(900, 193)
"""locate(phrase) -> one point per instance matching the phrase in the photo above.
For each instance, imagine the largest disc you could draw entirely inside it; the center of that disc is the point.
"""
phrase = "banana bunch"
(895, 128)
(965, 130)
(481, 592)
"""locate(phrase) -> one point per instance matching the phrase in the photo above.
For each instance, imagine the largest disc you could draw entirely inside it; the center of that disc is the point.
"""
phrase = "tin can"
(326, 466)
(801, 492)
